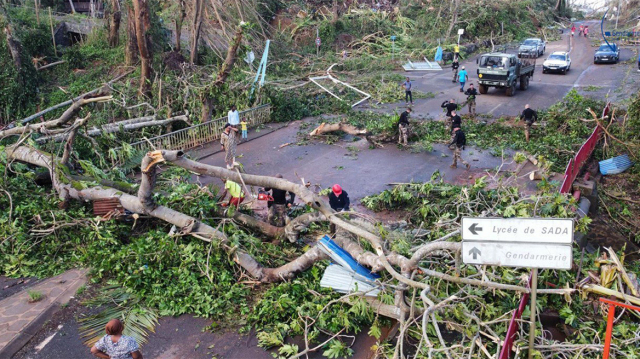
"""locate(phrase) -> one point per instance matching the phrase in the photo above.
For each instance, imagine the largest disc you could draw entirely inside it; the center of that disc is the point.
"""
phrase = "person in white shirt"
(234, 117)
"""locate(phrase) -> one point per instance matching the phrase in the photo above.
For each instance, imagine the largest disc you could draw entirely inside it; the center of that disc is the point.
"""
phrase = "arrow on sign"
(475, 252)
(474, 227)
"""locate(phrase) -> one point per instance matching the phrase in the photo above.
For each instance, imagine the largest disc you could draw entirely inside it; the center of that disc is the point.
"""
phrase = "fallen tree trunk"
(376, 140)
(144, 204)
(127, 125)
(51, 65)
(291, 231)
(333, 127)
(69, 102)
(63, 119)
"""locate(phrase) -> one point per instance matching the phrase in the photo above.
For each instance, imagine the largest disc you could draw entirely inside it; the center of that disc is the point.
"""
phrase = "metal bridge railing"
(191, 137)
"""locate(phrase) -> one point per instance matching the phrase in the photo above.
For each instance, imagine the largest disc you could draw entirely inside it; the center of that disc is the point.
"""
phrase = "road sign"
(393, 37)
(551, 256)
(317, 41)
(460, 31)
(518, 230)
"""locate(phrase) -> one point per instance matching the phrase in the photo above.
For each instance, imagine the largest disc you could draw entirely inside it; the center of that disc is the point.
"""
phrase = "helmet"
(337, 190)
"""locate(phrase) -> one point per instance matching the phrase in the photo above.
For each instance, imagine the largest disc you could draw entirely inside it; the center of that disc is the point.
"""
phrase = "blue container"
(615, 165)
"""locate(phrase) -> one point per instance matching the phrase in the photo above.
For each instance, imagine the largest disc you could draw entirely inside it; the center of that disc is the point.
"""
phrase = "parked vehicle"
(503, 70)
(606, 53)
(559, 61)
(532, 46)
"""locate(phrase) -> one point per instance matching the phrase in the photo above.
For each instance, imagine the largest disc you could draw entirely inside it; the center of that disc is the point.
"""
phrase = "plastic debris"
(615, 165)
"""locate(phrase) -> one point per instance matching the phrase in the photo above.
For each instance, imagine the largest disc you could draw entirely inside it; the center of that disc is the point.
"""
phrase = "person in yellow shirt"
(456, 51)
(235, 192)
(243, 125)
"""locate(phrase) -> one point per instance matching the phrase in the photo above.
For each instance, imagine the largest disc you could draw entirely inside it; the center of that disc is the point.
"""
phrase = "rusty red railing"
(610, 317)
(575, 164)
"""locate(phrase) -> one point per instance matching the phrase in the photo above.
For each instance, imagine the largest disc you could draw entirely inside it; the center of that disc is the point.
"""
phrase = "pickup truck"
(497, 69)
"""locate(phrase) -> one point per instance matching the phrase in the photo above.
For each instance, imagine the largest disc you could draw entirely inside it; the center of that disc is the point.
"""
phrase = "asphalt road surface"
(544, 89)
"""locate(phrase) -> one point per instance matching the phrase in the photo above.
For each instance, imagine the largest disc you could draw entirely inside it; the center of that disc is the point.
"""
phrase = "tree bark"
(143, 24)
(179, 20)
(208, 101)
(131, 50)
(231, 57)
(126, 125)
(14, 46)
(63, 119)
(198, 14)
(114, 23)
(332, 127)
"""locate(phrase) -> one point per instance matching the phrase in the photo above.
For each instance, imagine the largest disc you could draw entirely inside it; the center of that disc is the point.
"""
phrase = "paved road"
(544, 89)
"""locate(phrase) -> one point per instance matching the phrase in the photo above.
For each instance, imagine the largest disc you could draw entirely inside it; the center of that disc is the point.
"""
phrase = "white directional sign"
(550, 256)
(518, 242)
(520, 230)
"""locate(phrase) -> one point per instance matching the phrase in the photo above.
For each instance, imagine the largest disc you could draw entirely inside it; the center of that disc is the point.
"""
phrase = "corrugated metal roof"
(343, 258)
(421, 66)
(615, 165)
(343, 280)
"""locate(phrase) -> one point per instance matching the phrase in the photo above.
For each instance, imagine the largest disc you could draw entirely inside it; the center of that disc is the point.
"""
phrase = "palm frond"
(118, 304)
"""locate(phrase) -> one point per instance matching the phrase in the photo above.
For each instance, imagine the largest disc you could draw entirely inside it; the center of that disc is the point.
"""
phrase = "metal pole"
(317, 47)
(607, 338)
(393, 49)
(532, 321)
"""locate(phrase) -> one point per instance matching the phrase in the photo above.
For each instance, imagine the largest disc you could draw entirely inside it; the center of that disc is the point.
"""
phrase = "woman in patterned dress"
(228, 142)
(114, 345)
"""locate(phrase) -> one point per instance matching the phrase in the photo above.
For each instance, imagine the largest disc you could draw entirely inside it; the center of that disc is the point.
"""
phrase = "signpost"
(318, 42)
(460, 33)
(519, 242)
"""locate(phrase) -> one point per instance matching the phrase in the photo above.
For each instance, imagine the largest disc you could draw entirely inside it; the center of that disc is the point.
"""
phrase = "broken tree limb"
(63, 119)
(333, 127)
(494, 285)
(68, 146)
(609, 292)
(51, 65)
(623, 272)
(127, 125)
(69, 102)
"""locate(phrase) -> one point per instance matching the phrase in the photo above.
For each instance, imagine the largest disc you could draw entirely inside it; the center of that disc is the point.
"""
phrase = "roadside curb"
(26, 333)
(209, 154)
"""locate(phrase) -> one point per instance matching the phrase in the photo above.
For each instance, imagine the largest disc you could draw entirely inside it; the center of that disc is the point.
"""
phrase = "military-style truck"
(497, 69)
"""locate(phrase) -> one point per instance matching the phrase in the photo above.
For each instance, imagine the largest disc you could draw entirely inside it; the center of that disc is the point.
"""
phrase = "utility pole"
(617, 13)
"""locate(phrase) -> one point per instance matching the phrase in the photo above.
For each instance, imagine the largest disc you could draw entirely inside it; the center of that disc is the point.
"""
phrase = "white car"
(558, 61)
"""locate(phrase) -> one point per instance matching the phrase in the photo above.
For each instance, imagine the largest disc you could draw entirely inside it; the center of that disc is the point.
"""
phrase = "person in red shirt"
(573, 29)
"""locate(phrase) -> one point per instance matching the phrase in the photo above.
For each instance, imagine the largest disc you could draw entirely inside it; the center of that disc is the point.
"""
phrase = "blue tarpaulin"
(615, 165)
(438, 56)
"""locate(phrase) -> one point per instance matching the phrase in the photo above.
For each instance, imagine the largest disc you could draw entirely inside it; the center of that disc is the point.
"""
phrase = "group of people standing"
(453, 121)
(584, 30)
(277, 201)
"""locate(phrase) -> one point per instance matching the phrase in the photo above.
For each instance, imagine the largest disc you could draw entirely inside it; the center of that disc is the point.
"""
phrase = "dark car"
(606, 53)
(534, 46)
